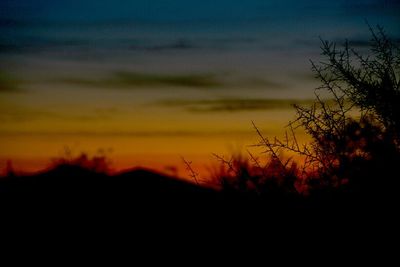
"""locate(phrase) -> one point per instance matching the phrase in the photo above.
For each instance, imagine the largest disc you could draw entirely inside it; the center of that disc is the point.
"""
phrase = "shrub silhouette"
(354, 135)
(247, 177)
(97, 163)
(372, 82)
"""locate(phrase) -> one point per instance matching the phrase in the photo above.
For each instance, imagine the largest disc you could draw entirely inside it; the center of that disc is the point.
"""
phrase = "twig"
(192, 173)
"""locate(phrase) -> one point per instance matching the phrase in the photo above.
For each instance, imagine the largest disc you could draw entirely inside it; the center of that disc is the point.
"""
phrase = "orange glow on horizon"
(32, 153)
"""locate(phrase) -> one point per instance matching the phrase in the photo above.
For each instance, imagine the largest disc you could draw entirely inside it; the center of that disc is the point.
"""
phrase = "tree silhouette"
(371, 82)
(355, 133)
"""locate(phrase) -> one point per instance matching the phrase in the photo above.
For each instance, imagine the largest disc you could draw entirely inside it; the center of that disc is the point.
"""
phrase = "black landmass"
(71, 199)
(74, 187)
(70, 183)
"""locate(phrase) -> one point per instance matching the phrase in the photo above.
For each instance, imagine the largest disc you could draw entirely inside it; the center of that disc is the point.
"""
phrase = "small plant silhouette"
(98, 163)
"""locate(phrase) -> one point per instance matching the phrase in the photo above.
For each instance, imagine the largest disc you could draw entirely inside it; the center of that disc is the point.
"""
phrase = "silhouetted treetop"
(354, 135)
(370, 82)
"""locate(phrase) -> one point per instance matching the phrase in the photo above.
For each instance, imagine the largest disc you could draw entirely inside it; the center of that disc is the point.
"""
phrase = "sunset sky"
(150, 81)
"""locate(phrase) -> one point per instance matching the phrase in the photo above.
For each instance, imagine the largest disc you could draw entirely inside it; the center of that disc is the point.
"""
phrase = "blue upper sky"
(183, 10)
(293, 18)
(235, 26)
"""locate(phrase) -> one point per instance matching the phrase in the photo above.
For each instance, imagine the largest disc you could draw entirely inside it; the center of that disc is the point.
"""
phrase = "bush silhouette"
(97, 163)
(372, 82)
(354, 145)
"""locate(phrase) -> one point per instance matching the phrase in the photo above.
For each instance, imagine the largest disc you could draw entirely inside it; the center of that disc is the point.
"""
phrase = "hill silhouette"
(73, 181)
(79, 188)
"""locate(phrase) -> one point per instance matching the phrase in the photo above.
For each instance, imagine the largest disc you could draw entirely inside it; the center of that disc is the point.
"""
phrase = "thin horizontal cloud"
(155, 133)
(133, 80)
(365, 42)
(257, 82)
(304, 76)
(180, 44)
(235, 105)
(19, 115)
(124, 79)
(184, 44)
(12, 113)
(8, 83)
(352, 42)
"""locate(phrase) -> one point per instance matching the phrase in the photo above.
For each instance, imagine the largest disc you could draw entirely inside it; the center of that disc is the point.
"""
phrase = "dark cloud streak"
(135, 80)
(234, 105)
(12, 113)
(9, 84)
(145, 134)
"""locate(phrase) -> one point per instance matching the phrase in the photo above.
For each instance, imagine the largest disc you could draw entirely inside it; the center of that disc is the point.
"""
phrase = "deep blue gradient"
(283, 32)
(182, 10)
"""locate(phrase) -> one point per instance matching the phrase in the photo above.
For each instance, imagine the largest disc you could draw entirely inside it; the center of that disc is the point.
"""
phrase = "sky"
(147, 82)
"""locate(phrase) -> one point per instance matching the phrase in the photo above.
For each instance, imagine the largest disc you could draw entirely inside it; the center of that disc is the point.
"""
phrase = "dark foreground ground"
(77, 196)
(152, 210)
(69, 188)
